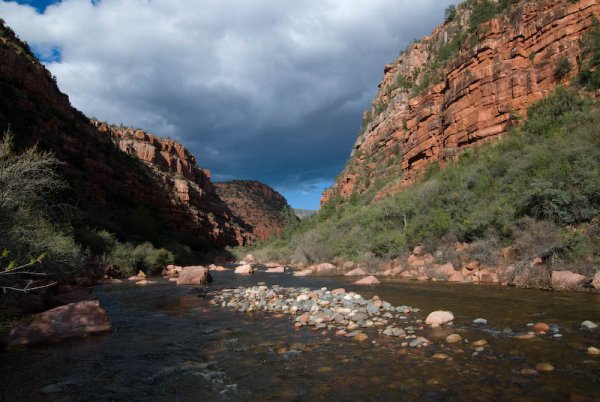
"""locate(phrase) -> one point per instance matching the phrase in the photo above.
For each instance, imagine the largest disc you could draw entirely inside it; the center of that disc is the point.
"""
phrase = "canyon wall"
(496, 72)
(258, 205)
(112, 172)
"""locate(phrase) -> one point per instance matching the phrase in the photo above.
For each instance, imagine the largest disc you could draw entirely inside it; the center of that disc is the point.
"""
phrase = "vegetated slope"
(463, 86)
(258, 205)
(113, 189)
(537, 190)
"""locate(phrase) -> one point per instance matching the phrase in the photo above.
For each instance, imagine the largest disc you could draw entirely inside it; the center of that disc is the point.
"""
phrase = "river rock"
(480, 321)
(356, 272)
(596, 281)
(480, 342)
(589, 325)
(593, 351)
(139, 277)
(194, 275)
(567, 280)
(544, 367)
(439, 317)
(361, 337)
(456, 277)
(69, 321)
(245, 269)
(275, 270)
(453, 338)
(171, 271)
(367, 281)
(529, 335)
(338, 291)
(445, 271)
(322, 269)
(541, 328)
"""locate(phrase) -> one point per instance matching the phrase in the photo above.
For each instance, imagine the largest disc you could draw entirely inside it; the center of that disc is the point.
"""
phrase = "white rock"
(589, 325)
(439, 317)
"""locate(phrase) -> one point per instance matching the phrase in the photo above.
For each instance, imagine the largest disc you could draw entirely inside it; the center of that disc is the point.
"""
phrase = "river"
(170, 344)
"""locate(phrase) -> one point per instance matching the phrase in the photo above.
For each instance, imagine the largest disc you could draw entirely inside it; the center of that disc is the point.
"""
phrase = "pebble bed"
(346, 313)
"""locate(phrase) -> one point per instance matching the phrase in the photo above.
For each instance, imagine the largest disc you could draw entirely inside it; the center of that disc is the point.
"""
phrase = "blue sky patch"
(47, 54)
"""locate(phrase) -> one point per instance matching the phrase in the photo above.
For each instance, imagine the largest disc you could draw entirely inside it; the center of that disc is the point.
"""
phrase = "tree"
(34, 229)
(450, 13)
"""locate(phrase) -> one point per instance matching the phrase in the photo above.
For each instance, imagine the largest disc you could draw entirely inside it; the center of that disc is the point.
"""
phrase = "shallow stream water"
(170, 344)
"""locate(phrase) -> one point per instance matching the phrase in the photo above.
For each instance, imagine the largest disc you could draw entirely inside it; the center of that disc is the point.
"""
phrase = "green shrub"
(589, 74)
(33, 222)
(483, 11)
(450, 13)
(129, 258)
(563, 68)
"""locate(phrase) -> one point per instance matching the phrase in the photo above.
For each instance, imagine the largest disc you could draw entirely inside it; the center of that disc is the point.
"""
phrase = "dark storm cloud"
(265, 89)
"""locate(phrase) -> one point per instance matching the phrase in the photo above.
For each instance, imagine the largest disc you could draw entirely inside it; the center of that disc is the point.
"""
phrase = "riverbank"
(459, 266)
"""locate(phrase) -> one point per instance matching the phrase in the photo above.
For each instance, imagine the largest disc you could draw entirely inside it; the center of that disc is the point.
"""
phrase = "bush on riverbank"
(546, 170)
(34, 224)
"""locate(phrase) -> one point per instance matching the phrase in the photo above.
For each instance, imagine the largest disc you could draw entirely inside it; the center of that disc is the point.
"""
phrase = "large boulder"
(368, 280)
(356, 272)
(304, 272)
(245, 269)
(197, 275)
(439, 317)
(70, 321)
(322, 269)
(567, 280)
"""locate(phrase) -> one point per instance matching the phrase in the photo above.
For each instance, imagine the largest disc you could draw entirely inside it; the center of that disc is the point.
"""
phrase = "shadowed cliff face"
(106, 183)
(498, 71)
(258, 205)
(194, 203)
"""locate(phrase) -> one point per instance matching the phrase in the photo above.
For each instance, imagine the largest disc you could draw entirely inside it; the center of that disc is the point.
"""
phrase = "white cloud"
(238, 77)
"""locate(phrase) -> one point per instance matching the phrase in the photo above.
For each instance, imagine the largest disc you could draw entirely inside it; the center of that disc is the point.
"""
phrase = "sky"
(270, 90)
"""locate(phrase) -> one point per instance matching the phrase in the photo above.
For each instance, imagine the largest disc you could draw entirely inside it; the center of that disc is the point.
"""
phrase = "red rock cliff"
(497, 72)
(103, 179)
(257, 204)
(194, 205)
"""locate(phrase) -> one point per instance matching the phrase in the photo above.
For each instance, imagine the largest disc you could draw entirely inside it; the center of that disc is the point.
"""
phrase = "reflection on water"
(170, 344)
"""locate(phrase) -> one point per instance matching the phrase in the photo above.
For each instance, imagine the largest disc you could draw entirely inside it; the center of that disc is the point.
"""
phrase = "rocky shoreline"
(534, 272)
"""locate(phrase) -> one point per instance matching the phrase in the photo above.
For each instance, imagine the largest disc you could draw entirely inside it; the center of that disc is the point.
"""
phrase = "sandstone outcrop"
(496, 73)
(258, 205)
